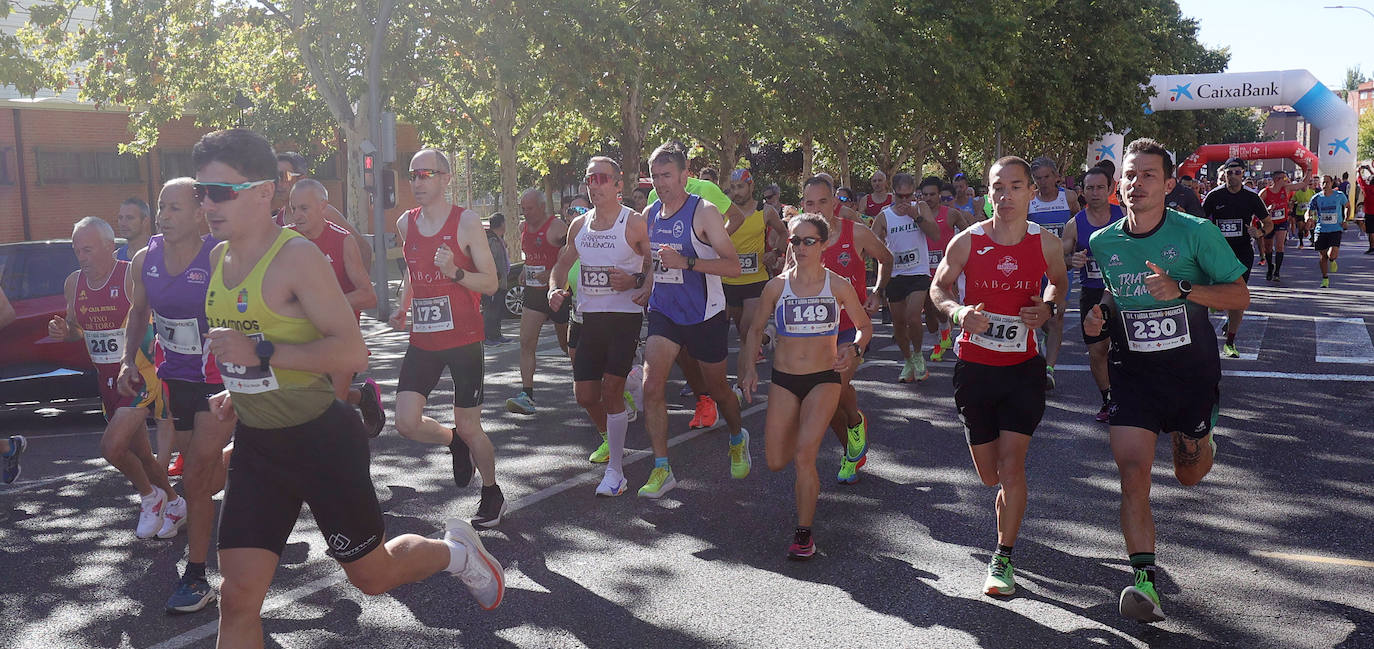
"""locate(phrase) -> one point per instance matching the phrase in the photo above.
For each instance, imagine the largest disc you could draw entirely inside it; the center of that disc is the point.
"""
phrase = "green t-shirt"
(1302, 197)
(707, 190)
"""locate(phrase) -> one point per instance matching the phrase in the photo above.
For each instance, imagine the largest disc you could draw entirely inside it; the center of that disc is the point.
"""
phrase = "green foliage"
(1365, 139)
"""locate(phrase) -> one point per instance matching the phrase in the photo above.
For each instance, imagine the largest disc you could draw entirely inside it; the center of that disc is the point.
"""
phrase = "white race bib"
(1332, 218)
(1006, 333)
(809, 316)
(180, 335)
(1231, 227)
(532, 274)
(430, 314)
(665, 275)
(105, 346)
(1094, 270)
(1157, 330)
(596, 280)
(1277, 214)
(936, 256)
(749, 264)
(248, 379)
(907, 260)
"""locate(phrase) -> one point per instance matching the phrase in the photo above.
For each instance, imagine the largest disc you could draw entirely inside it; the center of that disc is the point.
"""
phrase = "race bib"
(1056, 228)
(665, 275)
(430, 314)
(1157, 330)
(1006, 333)
(596, 280)
(1231, 227)
(936, 256)
(907, 260)
(532, 274)
(180, 335)
(105, 346)
(749, 264)
(1278, 214)
(1094, 270)
(248, 379)
(810, 316)
(1332, 218)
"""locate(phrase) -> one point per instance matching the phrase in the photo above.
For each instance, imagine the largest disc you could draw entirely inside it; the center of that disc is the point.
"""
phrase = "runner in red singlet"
(542, 236)
(1278, 198)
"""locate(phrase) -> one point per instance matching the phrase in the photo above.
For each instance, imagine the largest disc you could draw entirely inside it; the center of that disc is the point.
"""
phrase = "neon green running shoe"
(849, 471)
(856, 447)
(918, 367)
(1000, 579)
(660, 482)
(602, 454)
(1229, 350)
(1140, 602)
(1326, 283)
(740, 462)
(908, 371)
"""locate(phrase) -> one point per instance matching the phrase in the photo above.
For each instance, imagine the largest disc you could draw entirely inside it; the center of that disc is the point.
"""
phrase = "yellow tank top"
(277, 398)
(748, 240)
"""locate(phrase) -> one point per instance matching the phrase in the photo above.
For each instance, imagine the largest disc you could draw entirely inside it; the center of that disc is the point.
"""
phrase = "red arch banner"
(1290, 149)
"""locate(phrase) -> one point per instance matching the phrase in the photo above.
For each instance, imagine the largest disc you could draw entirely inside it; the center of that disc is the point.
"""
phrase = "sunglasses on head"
(222, 192)
(288, 175)
(598, 179)
(577, 210)
(798, 240)
(420, 174)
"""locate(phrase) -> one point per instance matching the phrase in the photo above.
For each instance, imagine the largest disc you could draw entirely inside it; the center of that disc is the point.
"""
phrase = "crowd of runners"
(244, 343)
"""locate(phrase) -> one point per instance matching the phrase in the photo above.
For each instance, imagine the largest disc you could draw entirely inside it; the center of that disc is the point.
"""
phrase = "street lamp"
(1371, 13)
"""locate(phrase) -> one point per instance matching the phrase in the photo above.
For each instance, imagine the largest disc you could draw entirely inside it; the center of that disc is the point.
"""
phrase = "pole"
(374, 124)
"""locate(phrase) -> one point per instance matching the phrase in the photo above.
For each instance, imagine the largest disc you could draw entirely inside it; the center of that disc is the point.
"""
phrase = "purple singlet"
(178, 303)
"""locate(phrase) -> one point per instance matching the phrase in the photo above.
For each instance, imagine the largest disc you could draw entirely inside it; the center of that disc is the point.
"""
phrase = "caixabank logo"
(1223, 91)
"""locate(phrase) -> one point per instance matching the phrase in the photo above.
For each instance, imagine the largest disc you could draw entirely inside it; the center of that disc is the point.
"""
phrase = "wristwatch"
(639, 280)
(264, 350)
(1054, 308)
(858, 351)
(691, 263)
(458, 274)
(1185, 287)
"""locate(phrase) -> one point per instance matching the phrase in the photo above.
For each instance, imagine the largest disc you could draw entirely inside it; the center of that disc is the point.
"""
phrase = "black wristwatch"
(458, 275)
(1054, 308)
(858, 351)
(1185, 287)
(265, 349)
(691, 263)
(639, 280)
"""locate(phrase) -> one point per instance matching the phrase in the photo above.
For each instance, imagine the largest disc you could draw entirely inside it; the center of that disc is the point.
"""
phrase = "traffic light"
(389, 188)
(369, 178)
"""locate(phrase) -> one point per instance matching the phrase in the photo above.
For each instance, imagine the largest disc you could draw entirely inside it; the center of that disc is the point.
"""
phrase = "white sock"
(150, 496)
(615, 437)
(457, 556)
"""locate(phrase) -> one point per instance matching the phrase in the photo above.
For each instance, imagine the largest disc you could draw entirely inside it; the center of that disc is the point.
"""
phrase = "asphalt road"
(1271, 550)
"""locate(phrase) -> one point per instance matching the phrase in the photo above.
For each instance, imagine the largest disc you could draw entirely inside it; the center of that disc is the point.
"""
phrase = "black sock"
(194, 571)
(1144, 561)
(1230, 338)
(1107, 396)
(803, 534)
(1278, 262)
(529, 390)
(456, 441)
(496, 488)
(1269, 258)
(1003, 550)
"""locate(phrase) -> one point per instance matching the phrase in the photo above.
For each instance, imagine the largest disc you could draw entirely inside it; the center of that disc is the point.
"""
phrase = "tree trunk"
(841, 145)
(359, 202)
(808, 157)
(631, 136)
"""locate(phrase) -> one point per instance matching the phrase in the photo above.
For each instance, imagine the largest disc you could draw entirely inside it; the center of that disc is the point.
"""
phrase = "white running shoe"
(612, 484)
(150, 514)
(482, 574)
(173, 519)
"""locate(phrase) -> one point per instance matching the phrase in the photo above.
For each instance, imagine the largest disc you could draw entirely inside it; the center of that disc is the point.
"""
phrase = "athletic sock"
(528, 390)
(1144, 561)
(457, 556)
(1003, 550)
(660, 463)
(737, 438)
(1278, 262)
(194, 571)
(1230, 338)
(803, 533)
(1106, 396)
(616, 424)
(1269, 258)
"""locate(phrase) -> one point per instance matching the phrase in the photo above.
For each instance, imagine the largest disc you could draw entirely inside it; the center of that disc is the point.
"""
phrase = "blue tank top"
(178, 303)
(1051, 214)
(807, 317)
(1090, 275)
(686, 297)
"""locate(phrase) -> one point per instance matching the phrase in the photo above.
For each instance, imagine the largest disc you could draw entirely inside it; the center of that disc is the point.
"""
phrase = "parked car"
(33, 367)
(515, 293)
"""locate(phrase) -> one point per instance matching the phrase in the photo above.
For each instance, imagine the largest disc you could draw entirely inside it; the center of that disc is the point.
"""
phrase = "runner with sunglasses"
(999, 386)
(950, 220)
(805, 301)
(541, 237)
(1233, 209)
(291, 169)
(277, 334)
(612, 244)
(906, 227)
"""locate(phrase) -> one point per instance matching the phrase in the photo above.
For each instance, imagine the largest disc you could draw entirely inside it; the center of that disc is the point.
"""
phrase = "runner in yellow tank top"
(279, 324)
(748, 234)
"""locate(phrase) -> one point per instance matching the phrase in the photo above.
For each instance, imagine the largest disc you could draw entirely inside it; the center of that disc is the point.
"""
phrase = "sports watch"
(264, 350)
(1185, 288)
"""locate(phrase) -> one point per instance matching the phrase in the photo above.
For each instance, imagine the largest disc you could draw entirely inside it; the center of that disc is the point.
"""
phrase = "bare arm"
(869, 245)
(363, 247)
(398, 319)
(1058, 289)
(947, 275)
(66, 329)
(139, 311)
(473, 239)
(710, 227)
(567, 255)
(363, 296)
(848, 299)
(340, 348)
(1228, 297)
(926, 221)
(734, 219)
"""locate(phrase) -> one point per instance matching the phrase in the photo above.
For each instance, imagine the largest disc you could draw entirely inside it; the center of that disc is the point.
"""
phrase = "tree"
(1353, 78)
(1365, 139)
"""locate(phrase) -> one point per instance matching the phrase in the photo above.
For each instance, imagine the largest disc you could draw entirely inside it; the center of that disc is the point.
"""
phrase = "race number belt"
(809, 316)
(664, 275)
(1157, 329)
(1006, 333)
(1231, 227)
(596, 280)
(248, 379)
(105, 346)
(532, 274)
(749, 264)
(180, 335)
(908, 260)
(430, 314)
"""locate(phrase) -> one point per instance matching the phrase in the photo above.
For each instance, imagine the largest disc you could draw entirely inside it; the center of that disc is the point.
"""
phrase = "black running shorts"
(421, 370)
(607, 345)
(993, 398)
(186, 398)
(707, 341)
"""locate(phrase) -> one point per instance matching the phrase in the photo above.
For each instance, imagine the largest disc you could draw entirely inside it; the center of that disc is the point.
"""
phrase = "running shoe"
(1369, 252)
(937, 353)
(1049, 377)
(1269, 273)
(11, 462)
(660, 482)
(521, 404)
(1105, 414)
(1001, 579)
(150, 514)
(602, 454)
(1277, 279)
(191, 595)
(1326, 283)
(918, 365)
(490, 507)
(612, 484)
(481, 573)
(1140, 602)
(740, 462)
(178, 465)
(173, 519)
(370, 405)
(856, 442)
(1333, 265)
(803, 546)
(462, 460)
(1229, 350)
(908, 371)
(705, 415)
(1261, 262)
(849, 471)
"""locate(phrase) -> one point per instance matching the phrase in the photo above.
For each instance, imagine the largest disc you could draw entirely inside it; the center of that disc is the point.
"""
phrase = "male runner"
(1302, 200)
(879, 198)
(612, 244)
(1278, 199)
(309, 208)
(1183, 198)
(1051, 207)
(541, 237)
(276, 335)
(135, 225)
(1364, 218)
(998, 385)
(1330, 210)
(691, 252)
(168, 281)
(964, 196)
(1232, 207)
(97, 296)
(906, 226)
(1162, 270)
(450, 265)
(1097, 186)
(950, 220)
(749, 238)
(849, 243)
(292, 168)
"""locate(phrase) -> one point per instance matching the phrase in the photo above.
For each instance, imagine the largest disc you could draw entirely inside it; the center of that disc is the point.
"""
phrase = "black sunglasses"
(797, 240)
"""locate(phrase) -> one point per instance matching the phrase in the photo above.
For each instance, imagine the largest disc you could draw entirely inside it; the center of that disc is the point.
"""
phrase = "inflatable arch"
(1290, 149)
(1297, 88)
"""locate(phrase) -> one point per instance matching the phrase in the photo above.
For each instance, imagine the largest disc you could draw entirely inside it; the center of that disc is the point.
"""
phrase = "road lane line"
(1343, 340)
(1313, 558)
(310, 588)
(1248, 339)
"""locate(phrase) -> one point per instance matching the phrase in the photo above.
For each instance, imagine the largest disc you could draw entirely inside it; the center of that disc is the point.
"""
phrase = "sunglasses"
(597, 179)
(288, 176)
(577, 210)
(1236, 172)
(422, 174)
(844, 199)
(803, 241)
(947, 199)
(222, 192)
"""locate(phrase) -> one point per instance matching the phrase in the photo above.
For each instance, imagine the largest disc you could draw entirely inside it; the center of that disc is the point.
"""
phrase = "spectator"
(493, 306)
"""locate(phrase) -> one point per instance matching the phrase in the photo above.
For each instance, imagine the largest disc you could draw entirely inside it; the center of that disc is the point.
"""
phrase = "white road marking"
(1248, 339)
(1343, 340)
(1259, 374)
